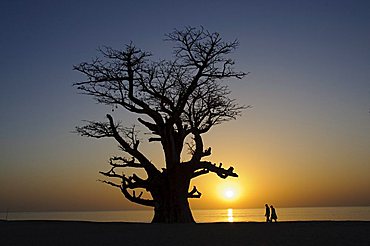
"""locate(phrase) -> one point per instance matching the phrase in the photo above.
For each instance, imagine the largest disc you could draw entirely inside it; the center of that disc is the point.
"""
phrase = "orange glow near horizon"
(301, 170)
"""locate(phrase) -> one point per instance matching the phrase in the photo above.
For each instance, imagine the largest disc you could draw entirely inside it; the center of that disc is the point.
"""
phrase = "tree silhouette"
(178, 101)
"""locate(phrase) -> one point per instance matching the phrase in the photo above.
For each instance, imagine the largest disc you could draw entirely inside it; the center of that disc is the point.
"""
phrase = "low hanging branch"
(132, 182)
(194, 193)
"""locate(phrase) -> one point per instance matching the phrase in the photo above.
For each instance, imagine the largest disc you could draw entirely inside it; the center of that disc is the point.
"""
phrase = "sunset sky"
(304, 142)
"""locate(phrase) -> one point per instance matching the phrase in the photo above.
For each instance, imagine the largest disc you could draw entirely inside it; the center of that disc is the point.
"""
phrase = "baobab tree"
(177, 101)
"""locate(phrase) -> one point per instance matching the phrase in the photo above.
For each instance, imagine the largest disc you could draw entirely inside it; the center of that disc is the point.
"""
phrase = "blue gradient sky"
(305, 142)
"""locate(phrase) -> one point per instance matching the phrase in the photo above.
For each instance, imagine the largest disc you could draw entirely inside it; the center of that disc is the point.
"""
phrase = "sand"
(249, 233)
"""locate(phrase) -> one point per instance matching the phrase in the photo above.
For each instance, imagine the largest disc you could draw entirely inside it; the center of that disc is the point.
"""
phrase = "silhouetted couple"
(273, 213)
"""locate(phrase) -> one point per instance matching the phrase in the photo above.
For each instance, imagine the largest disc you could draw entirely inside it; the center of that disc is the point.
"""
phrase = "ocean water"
(203, 216)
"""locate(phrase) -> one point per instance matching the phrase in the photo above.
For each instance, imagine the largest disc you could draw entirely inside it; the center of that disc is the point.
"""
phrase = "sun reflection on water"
(230, 216)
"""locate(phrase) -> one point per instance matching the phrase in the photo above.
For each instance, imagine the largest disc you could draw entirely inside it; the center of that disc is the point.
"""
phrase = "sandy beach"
(98, 233)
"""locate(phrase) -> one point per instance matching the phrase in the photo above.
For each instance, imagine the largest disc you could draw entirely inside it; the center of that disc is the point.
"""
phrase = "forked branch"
(205, 166)
(133, 182)
(133, 151)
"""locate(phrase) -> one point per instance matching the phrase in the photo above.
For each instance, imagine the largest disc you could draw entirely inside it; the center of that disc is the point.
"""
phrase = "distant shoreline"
(41, 232)
(196, 223)
(203, 216)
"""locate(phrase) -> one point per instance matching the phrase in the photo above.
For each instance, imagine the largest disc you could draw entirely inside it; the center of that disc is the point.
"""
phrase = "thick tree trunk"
(171, 198)
(173, 213)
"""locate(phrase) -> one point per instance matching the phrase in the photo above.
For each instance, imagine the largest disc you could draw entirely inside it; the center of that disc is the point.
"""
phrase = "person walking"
(273, 214)
(267, 213)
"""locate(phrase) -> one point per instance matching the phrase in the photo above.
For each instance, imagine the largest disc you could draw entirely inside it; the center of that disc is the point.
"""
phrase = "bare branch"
(152, 127)
(95, 130)
(154, 139)
(149, 167)
(210, 167)
(131, 197)
(117, 161)
(200, 172)
(194, 193)
(137, 199)
(112, 174)
(132, 182)
(110, 183)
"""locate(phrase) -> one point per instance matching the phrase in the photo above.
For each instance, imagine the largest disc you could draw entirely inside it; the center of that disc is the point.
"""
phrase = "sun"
(229, 193)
